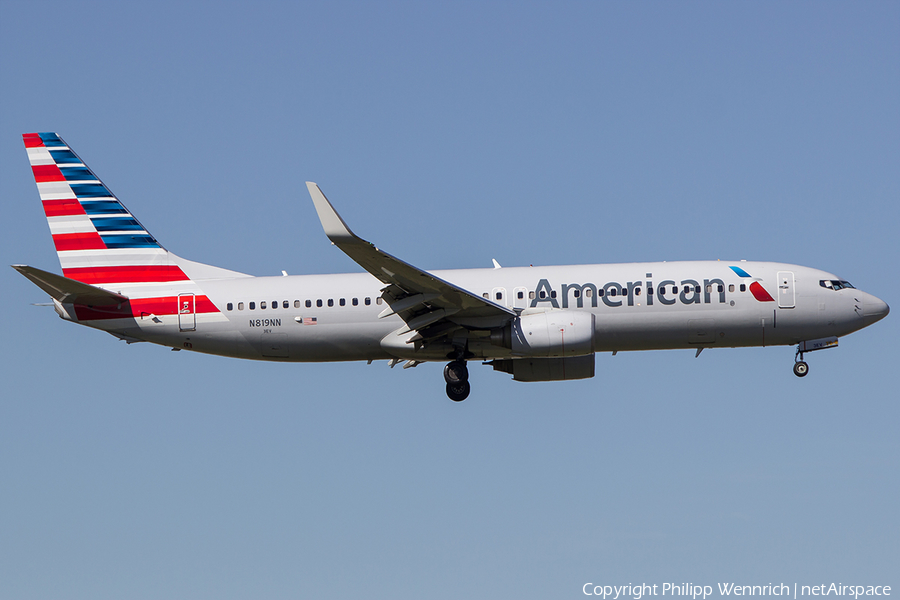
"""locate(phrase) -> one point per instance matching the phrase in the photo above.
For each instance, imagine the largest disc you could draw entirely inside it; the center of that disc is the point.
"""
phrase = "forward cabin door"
(187, 317)
(785, 289)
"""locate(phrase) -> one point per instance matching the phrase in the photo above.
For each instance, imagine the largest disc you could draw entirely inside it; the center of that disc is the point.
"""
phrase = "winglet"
(334, 226)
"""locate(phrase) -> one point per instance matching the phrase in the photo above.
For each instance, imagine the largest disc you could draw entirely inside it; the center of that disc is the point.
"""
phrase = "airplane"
(534, 323)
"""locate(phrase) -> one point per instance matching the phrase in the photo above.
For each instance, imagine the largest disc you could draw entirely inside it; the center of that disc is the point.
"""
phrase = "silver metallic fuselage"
(633, 321)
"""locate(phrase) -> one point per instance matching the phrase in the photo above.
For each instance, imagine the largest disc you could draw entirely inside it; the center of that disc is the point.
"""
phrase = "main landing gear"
(456, 374)
(800, 367)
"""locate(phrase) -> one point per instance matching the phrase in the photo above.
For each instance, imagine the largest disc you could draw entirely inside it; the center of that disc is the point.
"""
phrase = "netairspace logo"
(638, 591)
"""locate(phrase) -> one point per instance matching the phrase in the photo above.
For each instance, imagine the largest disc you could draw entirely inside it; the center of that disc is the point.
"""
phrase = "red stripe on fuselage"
(63, 208)
(32, 140)
(128, 274)
(44, 173)
(90, 240)
(138, 307)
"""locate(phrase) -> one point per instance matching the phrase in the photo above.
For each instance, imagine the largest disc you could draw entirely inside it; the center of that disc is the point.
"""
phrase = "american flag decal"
(309, 320)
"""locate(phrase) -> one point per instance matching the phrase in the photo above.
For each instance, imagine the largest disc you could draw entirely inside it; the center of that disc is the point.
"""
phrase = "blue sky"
(450, 135)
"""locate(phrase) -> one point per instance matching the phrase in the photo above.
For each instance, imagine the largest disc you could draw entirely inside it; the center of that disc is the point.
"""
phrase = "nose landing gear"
(456, 374)
(800, 367)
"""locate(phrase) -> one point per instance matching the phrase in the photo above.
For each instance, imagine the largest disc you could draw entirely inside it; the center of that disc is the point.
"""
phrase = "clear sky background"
(451, 134)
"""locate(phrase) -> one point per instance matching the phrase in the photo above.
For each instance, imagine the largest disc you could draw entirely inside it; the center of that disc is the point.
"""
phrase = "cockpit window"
(834, 284)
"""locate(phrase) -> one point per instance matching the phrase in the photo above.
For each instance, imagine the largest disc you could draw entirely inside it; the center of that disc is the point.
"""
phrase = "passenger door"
(785, 289)
(187, 317)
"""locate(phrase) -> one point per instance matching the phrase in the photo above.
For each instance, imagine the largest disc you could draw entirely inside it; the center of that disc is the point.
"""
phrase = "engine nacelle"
(547, 369)
(553, 333)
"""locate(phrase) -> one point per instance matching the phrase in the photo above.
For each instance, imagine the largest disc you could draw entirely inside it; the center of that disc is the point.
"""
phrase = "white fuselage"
(336, 317)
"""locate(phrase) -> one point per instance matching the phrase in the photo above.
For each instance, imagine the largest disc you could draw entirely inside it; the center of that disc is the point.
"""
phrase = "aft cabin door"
(785, 289)
(187, 317)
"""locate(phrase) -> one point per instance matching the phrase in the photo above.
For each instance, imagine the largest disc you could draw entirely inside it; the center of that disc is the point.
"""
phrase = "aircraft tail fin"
(97, 239)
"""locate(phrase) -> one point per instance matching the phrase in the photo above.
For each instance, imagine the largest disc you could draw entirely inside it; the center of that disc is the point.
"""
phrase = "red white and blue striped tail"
(100, 243)
(97, 239)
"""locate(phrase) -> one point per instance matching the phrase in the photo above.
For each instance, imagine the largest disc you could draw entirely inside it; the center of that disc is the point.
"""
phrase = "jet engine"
(553, 333)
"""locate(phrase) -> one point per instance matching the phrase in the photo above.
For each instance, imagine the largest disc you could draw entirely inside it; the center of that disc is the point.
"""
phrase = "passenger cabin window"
(721, 288)
(543, 294)
(485, 294)
(262, 305)
(637, 291)
(730, 287)
(531, 295)
(613, 291)
(309, 304)
(379, 300)
(356, 302)
(520, 295)
(342, 302)
(253, 306)
(319, 303)
(553, 293)
(588, 293)
(368, 301)
(743, 287)
(240, 306)
(331, 302)
(297, 304)
(229, 306)
(286, 304)
(499, 296)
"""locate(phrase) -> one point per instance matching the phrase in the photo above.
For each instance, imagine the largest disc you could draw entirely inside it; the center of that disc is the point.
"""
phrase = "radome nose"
(875, 309)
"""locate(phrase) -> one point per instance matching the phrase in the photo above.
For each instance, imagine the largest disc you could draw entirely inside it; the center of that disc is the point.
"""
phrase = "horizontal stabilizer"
(69, 291)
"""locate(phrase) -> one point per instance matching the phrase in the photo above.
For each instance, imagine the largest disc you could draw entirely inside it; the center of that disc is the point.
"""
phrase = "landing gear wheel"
(456, 372)
(458, 391)
(801, 368)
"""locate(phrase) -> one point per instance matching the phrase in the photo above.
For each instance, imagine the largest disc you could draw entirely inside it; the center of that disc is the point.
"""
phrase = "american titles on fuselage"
(612, 294)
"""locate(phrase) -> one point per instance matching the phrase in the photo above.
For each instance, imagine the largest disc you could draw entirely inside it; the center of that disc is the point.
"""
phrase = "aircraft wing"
(425, 302)
(69, 291)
